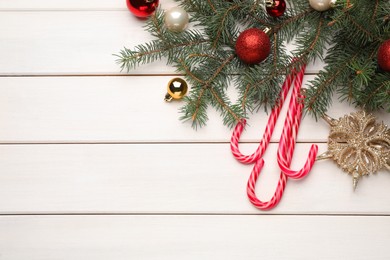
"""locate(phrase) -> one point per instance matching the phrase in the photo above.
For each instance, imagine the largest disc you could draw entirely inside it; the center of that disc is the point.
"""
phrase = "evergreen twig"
(354, 30)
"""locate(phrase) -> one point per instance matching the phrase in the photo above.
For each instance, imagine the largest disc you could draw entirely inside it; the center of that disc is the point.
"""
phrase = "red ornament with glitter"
(253, 46)
(142, 8)
(384, 56)
(275, 8)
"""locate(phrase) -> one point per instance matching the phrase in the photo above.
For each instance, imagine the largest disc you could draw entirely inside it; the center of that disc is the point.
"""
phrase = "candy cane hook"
(251, 187)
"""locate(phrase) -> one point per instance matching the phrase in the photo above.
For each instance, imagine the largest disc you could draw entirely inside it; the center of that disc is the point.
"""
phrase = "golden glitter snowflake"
(358, 144)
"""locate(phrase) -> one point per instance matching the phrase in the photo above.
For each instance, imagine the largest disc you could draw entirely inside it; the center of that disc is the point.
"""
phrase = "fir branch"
(255, 5)
(205, 55)
(148, 53)
(157, 27)
(306, 53)
(375, 11)
(189, 73)
(212, 6)
(259, 20)
(222, 25)
(245, 97)
(377, 94)
(195, 107)
(227, 108)
(206, 86)
(360, 28)
(275, 51)
(353, 29)
(216, 73)
(340, 16)
(350, 87)
(370, 97)
(191, 6)
(318, 90)
(291, 20)
(198, 104)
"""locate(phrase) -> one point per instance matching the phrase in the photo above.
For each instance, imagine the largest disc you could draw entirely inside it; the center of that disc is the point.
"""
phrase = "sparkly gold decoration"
(358, 144)
(177, 88)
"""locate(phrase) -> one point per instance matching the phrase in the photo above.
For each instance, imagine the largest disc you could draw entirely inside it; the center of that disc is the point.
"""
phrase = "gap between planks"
(100, 75)
(141, 143)
(265, 213)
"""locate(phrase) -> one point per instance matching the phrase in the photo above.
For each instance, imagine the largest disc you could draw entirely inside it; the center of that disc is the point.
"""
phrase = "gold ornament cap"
(270, 3)
(176, 89)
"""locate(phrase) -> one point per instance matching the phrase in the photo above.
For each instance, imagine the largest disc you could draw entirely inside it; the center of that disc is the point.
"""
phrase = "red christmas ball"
(253, 46)
(275, 8)
(142, 8)
(384, 56)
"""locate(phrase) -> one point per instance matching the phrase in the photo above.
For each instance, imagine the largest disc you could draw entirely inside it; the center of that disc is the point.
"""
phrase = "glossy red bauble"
(253, 46)
(275, 8)
(142, 8)
(384, 56)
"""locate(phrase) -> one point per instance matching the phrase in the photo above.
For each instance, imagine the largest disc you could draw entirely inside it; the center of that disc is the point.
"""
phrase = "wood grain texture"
(194, 237)
(171, 178)
(122, 178)
(73, 42)
(120, 109)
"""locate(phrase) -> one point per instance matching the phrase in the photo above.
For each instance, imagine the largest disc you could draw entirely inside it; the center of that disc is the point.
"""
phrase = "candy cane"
(286, 145)
(289, 134)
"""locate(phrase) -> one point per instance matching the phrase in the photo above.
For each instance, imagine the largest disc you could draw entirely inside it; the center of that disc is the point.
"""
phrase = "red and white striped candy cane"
(286, 145)
(290, 131)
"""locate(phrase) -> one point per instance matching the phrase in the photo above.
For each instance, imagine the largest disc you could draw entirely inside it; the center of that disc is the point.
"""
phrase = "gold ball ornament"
(176, 89)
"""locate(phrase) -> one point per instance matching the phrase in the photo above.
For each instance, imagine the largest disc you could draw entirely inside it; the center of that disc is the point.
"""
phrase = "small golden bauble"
(177, 88)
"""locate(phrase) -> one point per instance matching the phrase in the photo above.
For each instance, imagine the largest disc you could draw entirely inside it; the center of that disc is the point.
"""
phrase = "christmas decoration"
(322, 5)
(177, 88)
(176, 19)
(286, 145)
(275, 8)
(253, 46)
(384, 56)
(358, 144)
(206, 54)
(142, 8)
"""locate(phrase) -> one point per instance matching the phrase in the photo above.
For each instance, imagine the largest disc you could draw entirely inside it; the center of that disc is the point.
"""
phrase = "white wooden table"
(94, 164)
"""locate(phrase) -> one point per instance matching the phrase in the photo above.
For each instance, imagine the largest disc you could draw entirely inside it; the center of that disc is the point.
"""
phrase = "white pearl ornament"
(176, 19)
(321, 5)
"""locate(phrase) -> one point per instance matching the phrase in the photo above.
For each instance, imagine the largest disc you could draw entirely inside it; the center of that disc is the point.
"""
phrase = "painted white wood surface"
(194, 237)
(73, 42)
(63, 5)
(120, 109)
(175, 178)
(101, 146)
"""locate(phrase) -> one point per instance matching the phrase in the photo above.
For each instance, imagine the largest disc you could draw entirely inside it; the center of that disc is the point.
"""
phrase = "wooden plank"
(119, 109)
(63, 4)
(194, 237)
(78, 42)
(58, 5)
(171, 178)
